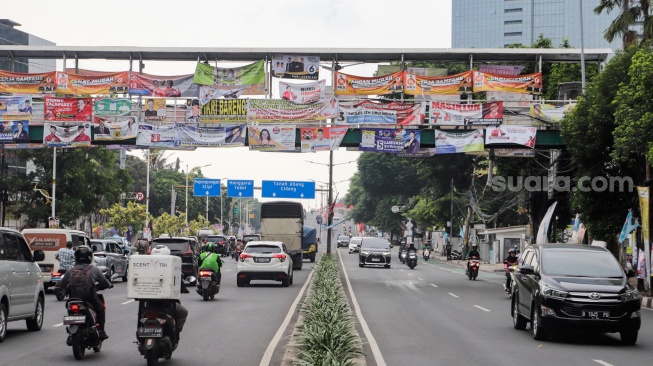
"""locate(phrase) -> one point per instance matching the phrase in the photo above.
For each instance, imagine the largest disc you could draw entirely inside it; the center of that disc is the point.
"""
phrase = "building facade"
(9, 35)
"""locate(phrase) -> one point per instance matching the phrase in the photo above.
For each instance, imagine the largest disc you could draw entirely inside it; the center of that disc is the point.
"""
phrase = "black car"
(574, 287)
(186, 248)
(343, 241)
(374, 251)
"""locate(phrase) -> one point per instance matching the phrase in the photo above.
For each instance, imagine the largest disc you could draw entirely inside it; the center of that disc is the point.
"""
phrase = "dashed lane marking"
(482, 308)
(454, 295)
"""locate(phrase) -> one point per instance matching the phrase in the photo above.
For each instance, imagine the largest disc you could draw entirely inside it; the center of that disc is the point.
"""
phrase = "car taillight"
(222, 243)
(244, 256)
(281, 256)
(205, 273)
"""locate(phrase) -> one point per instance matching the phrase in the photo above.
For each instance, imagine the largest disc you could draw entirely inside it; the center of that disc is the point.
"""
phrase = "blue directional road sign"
(240, 188)
(287, 189)
(206, 187)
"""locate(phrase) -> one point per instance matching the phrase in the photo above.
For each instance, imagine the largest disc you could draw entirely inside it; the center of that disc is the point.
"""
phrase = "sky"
(246, 24)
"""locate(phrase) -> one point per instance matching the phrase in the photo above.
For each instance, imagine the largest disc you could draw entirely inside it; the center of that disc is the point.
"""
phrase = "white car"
(264, 260)
(355, 244)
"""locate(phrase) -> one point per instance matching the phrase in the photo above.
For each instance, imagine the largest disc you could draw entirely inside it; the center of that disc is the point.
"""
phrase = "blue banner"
(390, 140)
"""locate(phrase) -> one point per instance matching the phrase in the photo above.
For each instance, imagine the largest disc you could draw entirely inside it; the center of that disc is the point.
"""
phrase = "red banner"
(67, 109)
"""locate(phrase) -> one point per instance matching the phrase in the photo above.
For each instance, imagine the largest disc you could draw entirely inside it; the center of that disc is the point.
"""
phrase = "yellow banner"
(643, 193)
(379, 85)
(434, 85)
(528, 83)
(17, 82)
(100, 83)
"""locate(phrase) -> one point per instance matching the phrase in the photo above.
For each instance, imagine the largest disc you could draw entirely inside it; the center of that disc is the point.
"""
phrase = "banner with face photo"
(491, 114)
(16, 107)
(454, 143)
(155, 109)
(114, 128)
(378, 85)
(224, 110)
(162, 86)
(16, 132)
(528, 83)
(302, 93)
(438, 85)
(70, 136)
(321, 138)
(208, 93)
(271, 137)
(251, 76)
(506, 134)
(279, 110)
(188, 135)
(369, 112)
(296, 67)
(550, 112)
(163, 135)
(99, 83)
(67, 109)
(389, 140)
(18, 82)
(112, 107)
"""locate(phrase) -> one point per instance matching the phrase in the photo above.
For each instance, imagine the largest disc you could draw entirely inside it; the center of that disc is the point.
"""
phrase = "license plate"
(76, 319)
(262, 260)
(595, 315)
(375, 259)
(55, 279)
(149, 332)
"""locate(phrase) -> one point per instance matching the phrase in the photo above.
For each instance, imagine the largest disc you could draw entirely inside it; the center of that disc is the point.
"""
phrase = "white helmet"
(161, 250)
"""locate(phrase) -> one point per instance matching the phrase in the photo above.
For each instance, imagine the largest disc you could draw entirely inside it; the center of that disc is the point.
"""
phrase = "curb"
(647, 302)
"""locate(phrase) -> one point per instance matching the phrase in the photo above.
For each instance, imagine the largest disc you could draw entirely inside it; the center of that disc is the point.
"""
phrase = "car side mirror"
(125, 251)
(630, 273)
(527, 269)
(39, 256)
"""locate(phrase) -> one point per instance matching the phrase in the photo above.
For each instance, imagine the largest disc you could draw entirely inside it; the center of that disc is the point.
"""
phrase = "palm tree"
(632, 13)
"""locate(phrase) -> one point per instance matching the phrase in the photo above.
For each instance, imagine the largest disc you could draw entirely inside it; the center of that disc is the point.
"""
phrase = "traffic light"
(236, 210)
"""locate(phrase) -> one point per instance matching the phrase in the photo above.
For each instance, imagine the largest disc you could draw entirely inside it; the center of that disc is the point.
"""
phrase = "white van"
(50, 241)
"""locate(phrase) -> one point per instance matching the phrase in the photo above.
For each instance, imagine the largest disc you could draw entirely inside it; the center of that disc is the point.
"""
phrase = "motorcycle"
(59, 293)
(426, 254)
(472, 268)
(411, 260)
(402, 256)
(510, 271)
(208, 287)
(236, 254)
(82, 329)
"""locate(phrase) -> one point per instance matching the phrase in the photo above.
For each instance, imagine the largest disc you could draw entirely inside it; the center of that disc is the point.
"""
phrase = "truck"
(284, 221)
(309, 243)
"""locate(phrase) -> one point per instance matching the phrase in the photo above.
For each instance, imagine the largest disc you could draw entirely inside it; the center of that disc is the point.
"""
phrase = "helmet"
(83, 254)
(215, 248)
(512, 250)
(474, 245)
(161, 250)
(209, 247)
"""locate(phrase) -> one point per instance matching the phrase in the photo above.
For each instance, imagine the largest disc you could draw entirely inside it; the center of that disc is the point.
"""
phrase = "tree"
(195, 225)
(122, 217)
(632, 14)
(166, 224)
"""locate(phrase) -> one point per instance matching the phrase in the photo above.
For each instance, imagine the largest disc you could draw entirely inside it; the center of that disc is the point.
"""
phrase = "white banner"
(271, 137)
(302, 93)
(452, 143)
(208, 93)
(543, 230)
(449, 114)
(550, 112)
(163, 135)
(507, 134)
(114, 128)
(321, 138)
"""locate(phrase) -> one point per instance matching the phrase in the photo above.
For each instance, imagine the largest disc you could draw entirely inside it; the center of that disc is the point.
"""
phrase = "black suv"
(574, 287)
(186, 248)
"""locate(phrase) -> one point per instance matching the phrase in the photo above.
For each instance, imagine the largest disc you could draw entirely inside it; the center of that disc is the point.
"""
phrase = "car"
(110, 258)
(374, 251)
(120, 240)
(22, 295)
(355, 244)
(574, 287)
(342, 241)
(220, 241)
(251, 237)
(264, 260)
(186, 248)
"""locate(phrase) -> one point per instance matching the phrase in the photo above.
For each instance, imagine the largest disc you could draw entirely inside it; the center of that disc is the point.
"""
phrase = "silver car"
(110, 258)
(355, 244)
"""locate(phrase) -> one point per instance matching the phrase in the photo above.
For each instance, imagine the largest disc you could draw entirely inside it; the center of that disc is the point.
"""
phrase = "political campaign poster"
(527, 83)
(271, 137)
(321, 138)
(438, 85)
(114, 128)
(453, 114)
(17, 107)
(377, 113)
(161, 136)
(279, 110)
(190, 135)
(491, 114)
(510, 70)
(421, 71)
(208, 93)
(224, 110)
(162, 86)
(388, 140)
(67, 109)
(302, 93)
(20, 146)
(231, 78)
(506, 134)
(112, 107)
(550, 112)
(14, 132)
(70, 136)
(296, 67)
(454, 143)
(36, 83)
(155, 109)
(378, 85)
(99, 83)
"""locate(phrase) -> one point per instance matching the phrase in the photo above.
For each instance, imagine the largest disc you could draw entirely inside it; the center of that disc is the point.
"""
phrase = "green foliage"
(166, 224)
(638, 13)
(122, 217)
(567, 72)
(195, 225)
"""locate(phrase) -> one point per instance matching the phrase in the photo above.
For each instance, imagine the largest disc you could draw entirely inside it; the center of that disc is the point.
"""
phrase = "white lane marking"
(454, 295)
(267, 356)
(58, 325)
(401, 270)
(127, 302)
(376, 352)
(647, 309)
(434, 285)
(410, 274)
(227, 270)
(482, 308)
(601, 362)
(420, 279)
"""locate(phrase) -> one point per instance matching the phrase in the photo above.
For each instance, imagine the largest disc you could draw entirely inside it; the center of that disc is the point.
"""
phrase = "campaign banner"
(99, 83)
(16, 107)
(114, 128)
(422, 71)
(438, 85)
(163, 135)
(162, 86)
(390, 140)
(450, 114)
(112, 107)
(252, 76)
(188, 135)
(321, 138)
(208, 93)
(67, 109)
(296, 67)
(271, 137)
(279, 110)
(454, 143)
(550, 112)
(303, 93)
(369, 112)
(71, 136)
(528, 83)
(155, 109)
(14, 132)
(491, 114)
(357, 85)
(510, 70)
(23, 146)
(224, 110)
(506, 134)
(18, 82)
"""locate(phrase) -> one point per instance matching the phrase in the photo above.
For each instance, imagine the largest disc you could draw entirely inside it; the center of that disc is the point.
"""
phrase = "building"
(500, 23)
(9, 35)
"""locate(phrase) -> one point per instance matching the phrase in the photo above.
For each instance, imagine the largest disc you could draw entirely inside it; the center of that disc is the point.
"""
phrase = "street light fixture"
(207, 197)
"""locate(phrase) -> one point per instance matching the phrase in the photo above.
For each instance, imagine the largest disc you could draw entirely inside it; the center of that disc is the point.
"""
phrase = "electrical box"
(154, 277)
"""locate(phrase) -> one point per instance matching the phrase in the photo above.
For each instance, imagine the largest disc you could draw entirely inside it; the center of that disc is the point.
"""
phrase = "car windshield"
(175, 246)
(583, 263)
(215, 239)
(343, 237)
(356, 241)
(263, 249)
(375, 244)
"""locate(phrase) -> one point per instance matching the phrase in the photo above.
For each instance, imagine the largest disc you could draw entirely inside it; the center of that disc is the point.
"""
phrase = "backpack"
(81, 283)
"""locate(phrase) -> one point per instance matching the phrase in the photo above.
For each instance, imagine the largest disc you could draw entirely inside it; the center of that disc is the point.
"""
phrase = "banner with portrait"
(67, 109)
(296, 67)
(112, 107)
(155, 109)
(390, 140)
(491, 114)
(208, 93)
(302, 93)
(18, 82)
(438, 85)
(422, 71)
(16, 107)
(99, 83)
(161, 136)
(70, 136)
(114, 128)
(369, 112)
(188, 135)
(271, 137)
(251, 76)
(14, 132)
(507, 134)
(279, 110)
(455, 143)
(224, 110)
(550, 112)
(321, 138)
(162, 86)
(527, 83)
(377, 85)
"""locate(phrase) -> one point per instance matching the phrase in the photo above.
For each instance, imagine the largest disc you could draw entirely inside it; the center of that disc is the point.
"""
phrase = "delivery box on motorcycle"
(154, 277)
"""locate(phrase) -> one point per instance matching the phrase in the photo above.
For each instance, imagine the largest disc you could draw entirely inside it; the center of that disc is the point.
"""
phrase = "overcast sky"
(244, 23)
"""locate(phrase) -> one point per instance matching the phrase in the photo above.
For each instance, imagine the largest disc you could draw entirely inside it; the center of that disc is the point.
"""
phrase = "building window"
(512, 22)
(513, 10)
(512, 34)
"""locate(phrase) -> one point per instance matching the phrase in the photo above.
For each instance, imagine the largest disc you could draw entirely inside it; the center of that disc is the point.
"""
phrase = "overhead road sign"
(206, 187)
(240, 188)
(287, 189)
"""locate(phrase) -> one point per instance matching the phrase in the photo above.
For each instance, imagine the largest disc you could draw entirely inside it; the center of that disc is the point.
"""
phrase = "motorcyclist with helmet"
(473, 253)
(181, 313)
(510, 261)
(210, 259)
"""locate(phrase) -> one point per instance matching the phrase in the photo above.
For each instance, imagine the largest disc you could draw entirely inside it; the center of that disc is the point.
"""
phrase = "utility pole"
(330, 212)
(451, 213)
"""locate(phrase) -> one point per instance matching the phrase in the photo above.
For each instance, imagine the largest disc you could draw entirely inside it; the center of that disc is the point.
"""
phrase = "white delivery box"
(154, 277)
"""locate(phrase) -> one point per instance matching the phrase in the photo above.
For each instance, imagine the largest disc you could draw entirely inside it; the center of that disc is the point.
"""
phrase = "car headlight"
(365, 252)
(629, 295)
(386, 253)
(554, 292)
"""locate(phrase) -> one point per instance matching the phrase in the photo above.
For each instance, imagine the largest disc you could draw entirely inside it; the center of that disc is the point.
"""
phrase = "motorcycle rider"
(473, 253)
(73, 277)
(510, 260)
(210, 260)
(181, 313)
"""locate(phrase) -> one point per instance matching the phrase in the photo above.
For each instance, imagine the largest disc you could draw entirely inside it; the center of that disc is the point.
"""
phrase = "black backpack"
(81, 283)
